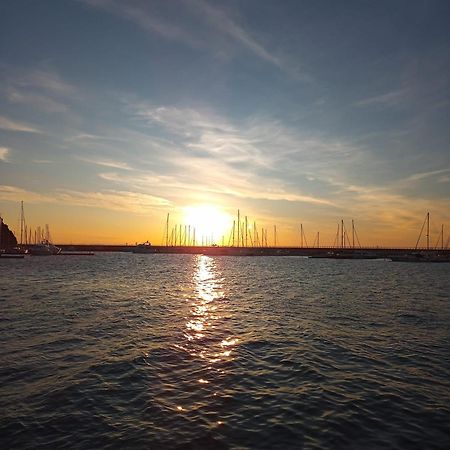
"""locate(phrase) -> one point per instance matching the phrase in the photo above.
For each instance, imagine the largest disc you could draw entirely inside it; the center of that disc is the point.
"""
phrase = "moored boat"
(45, 248)
(427, 257)
(359, 254)
(145, 247)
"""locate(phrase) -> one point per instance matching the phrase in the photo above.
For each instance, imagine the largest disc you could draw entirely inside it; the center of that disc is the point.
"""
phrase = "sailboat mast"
(428, 231)
(353, 233)
(238, 227)
(246, 232)
(21, 222)
(301, 235)
(167, 230)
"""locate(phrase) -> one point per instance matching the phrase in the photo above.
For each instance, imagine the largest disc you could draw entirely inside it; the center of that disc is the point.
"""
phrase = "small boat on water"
(145, 247)
(45, 248)
(347, 255)
(422, 257)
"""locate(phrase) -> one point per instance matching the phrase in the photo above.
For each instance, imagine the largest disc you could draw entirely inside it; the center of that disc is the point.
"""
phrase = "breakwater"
(251, 251)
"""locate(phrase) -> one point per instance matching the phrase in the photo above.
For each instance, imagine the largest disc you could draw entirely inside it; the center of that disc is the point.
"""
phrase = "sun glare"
(208, 221)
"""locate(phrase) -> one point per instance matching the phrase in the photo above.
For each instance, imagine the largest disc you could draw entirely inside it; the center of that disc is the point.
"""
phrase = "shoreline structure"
(378, 252)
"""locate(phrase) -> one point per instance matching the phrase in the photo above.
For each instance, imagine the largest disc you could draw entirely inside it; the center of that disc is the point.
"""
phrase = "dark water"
(168, 351)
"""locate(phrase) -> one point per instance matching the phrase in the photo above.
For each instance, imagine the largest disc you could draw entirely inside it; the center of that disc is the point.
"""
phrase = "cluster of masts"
(439, 242)
(243, 233)
(29, 236)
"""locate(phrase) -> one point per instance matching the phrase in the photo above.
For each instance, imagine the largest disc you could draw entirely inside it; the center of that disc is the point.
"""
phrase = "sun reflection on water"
(207, 337)
(203, 327)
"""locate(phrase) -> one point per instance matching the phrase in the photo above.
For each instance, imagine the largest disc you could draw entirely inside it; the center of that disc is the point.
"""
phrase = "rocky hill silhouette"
(7, 238)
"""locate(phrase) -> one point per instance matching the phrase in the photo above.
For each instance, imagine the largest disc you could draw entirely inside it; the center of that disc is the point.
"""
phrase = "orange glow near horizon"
(98, 226)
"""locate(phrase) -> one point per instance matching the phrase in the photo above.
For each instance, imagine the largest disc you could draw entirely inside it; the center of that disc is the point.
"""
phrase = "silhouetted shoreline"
(254, 251)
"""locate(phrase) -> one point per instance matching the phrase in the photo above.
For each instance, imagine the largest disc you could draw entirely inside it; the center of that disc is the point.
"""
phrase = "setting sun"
(208, 222)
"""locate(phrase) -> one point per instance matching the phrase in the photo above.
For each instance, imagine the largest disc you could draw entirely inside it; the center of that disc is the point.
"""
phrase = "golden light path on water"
(205, 312)
(205, 338)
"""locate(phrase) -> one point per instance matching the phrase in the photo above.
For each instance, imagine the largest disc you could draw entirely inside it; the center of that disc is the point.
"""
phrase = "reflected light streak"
(202, 325)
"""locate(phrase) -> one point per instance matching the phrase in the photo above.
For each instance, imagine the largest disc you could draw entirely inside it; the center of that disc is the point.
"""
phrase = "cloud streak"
(112, 164)
(4, 154)
(392, 98)
(211, 19)
(220, 21)
(14, 125)
(116, 200)
(206, 152)
(146, 19)
(44, 80)
(423, 175)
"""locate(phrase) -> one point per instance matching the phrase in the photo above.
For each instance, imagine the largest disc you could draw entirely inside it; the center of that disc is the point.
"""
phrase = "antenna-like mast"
(246, 232)
(22, 219)
(238, 228)
(167, 230)
(353, 233)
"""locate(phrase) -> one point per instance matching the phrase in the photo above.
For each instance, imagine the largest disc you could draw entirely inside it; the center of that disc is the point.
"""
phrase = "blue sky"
(295, 111)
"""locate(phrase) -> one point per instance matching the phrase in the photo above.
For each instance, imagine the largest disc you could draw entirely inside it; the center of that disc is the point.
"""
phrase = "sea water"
(189, 351)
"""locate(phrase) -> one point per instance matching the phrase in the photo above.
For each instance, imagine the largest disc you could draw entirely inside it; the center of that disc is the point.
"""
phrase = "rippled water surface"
(181, 351)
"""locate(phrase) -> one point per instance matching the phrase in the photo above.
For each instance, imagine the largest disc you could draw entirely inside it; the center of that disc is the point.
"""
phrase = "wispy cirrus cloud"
(106, 163)
(86, 137)
(4, 154)
(42, 89)
(39, 101)
(146, 17)
(203, 151)
(136, 202)
(116, 200)
(15, 125)
(391, 98)
(42, 161)
(422, 175)
(223, 23)
(42, 79)
(258, 142)
(17, 194)
(210, 19)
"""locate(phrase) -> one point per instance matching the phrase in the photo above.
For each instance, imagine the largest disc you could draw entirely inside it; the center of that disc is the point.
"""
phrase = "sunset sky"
(115, 113)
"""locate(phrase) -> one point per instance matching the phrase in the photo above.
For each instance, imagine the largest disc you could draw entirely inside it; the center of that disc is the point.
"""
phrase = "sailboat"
(45, 248)
(428, 255)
